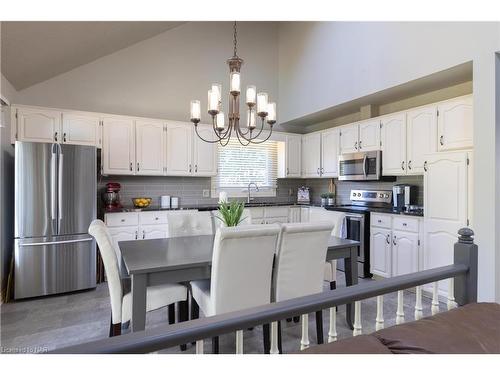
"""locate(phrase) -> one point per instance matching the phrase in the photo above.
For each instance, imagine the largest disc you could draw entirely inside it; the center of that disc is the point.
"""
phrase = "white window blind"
(239, 165)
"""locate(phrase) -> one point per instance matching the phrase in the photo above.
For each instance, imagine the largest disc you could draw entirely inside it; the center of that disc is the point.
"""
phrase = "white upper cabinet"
(349, 138)
(118, 156)
(38, 125)
(330, 153)
(80, 129)
(421, 133)
(204, 153)
(369, 135)
(455, 124)
(394, 145)
(150, 138)
(293, 155)
(311, 155)
(179, 148)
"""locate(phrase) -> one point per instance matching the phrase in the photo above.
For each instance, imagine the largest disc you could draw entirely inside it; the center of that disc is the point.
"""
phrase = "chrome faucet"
(249, 186)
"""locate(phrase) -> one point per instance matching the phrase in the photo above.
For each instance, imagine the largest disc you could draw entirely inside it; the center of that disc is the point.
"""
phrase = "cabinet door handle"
(394, 241)
(403, 165)
(356, 145)
(405, 224)
(136, 234)
(425, 166)
(55, 136)
(64, 137)
(137, 167)
(317, 171)
(359, 145)
(388, 239)
(196, 167)
(379, 220)
(131, 167)
(190, 169)
(143, 234)
(287, 172)
(409, 164)
(441, 140)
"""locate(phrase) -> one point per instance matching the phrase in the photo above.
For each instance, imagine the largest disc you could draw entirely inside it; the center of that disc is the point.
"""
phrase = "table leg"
(351, 278)
(139, 302)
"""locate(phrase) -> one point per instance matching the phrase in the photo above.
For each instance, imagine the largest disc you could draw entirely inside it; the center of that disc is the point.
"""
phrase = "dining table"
(182, 259)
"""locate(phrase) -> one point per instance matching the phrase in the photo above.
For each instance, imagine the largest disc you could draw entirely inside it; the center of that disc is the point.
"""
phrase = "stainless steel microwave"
(360, 166)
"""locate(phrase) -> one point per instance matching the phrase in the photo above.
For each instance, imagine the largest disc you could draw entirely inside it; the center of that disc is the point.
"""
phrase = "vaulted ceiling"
(33, 52)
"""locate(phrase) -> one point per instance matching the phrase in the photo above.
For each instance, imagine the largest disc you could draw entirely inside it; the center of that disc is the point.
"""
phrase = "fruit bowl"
(141, 202)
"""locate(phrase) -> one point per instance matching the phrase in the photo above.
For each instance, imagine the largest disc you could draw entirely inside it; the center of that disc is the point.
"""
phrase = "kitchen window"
(239, 165)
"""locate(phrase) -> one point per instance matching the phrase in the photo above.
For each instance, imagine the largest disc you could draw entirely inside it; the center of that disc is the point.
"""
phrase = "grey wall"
(159, 76)
(6, 185)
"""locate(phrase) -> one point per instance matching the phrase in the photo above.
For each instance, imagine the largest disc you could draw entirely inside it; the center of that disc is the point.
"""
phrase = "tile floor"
(52, 322)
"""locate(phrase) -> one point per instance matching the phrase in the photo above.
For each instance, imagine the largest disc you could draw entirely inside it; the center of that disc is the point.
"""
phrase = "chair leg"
(280, 347)
(183, 316)
(215, 345)
(333, 285)
(319, 327)
(266, 338)
(195, 311)
(171, 313)
(114, 329)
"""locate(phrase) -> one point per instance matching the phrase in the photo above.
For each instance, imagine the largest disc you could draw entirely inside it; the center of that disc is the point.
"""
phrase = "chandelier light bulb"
(250, 119)
(219, 121)
(195, 110)
(251, 95)
(271, 112)
(262, 104)
(235, 86)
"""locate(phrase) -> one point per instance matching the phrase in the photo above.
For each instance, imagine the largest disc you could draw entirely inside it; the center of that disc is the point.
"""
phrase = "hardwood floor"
(46, 323)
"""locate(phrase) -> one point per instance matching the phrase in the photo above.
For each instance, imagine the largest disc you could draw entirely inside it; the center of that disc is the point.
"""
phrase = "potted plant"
(230, 213)
(331, 199)
(324, 198)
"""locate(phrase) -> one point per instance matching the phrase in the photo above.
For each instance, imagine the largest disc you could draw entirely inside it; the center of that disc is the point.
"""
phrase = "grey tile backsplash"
(190, 189)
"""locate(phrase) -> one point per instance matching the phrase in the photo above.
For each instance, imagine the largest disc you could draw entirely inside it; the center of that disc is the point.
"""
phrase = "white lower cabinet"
(122, 234)
(380, 251)
(149, 232)
(395, 244)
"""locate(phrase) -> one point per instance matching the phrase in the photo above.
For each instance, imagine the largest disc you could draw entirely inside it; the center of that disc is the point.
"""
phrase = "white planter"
(331, 201)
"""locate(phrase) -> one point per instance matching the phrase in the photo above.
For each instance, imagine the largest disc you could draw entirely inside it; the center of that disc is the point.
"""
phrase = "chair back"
(336, 218)
(300, 259)
(100, 232)
(194, 223)
(242, 265)
(218, 221)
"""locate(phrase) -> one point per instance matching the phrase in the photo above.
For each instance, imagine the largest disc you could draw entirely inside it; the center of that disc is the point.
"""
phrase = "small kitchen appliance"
(112, 196)
(404, 197)
(303, 195)
(360, 166)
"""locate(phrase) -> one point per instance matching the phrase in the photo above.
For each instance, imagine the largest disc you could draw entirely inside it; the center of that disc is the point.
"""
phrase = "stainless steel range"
(358, 221)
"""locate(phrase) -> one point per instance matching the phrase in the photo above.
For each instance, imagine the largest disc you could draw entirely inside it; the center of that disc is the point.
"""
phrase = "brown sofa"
(474, 328)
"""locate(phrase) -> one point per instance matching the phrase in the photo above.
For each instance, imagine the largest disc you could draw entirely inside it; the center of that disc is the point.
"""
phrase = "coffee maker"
(403, 197)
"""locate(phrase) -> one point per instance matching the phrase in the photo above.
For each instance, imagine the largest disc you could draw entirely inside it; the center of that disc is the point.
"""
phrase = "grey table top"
(176, 253)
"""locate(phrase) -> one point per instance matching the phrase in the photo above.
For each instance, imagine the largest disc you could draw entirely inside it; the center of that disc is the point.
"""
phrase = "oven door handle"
(364, 165)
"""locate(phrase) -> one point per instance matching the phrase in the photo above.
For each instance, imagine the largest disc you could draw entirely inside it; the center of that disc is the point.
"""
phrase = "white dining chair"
(231, 286)
(192, 223)
(300, 260)
(158, 296)
(246, 218)
(337, 219)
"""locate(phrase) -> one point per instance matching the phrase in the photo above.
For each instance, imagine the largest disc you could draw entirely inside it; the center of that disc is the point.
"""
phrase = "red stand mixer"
(111, 197)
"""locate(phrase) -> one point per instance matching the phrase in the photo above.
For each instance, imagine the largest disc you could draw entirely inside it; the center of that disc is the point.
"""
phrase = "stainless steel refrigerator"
(55, 202)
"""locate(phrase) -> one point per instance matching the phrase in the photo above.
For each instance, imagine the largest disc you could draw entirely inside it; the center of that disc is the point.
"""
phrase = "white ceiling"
(33, 52)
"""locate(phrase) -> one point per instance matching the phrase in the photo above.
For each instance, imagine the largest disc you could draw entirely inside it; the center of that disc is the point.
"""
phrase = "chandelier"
(257, 105)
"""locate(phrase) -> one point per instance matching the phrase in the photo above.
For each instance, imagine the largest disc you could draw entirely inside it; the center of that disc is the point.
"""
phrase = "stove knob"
(359, 194)
(386, 195)
(353, 194)
(381, 195)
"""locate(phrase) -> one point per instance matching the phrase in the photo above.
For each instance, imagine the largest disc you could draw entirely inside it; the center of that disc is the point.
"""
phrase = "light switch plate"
(206, 193)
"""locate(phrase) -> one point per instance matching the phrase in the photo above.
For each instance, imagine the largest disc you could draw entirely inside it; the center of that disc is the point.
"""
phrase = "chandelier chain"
(235, 34)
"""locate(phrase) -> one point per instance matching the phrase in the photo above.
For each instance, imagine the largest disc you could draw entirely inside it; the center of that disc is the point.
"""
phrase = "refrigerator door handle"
(53, 160)
(59, 187)
(55, 242)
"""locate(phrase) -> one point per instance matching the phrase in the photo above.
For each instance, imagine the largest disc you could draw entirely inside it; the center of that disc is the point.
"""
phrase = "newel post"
(465, 252)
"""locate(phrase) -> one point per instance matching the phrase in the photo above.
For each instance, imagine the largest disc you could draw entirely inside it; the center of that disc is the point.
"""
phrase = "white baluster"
(418, 303)
(358, 329)
(274, 338)
(332, 333)
(451, 304)
(400, 312)
(435, 299)
(199, 347)
(304, 342)
(379, 320)
(239, 342)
